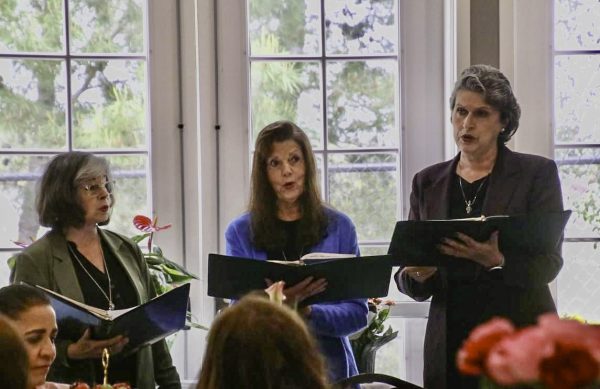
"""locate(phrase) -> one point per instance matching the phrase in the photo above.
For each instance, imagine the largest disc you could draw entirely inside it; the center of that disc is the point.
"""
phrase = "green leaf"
(139, 238)
(11, 261)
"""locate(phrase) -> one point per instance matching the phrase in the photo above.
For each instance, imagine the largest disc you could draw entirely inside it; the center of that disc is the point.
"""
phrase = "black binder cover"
(347, 278)
(143, 325)
(414, 241)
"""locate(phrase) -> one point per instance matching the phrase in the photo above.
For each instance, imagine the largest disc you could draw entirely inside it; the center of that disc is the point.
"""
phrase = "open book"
(348, 277)
(312, 258)
(414, 241)
(143, 324)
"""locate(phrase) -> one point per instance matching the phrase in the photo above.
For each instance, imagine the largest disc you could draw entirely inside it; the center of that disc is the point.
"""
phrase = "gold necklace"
(469, 203)
(108, 297)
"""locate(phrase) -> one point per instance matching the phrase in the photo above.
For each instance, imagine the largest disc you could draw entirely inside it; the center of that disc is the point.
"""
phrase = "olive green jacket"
(47, 263)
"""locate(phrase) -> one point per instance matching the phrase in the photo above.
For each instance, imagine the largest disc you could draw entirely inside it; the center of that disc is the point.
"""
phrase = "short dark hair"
(496, 91)
(18, 298)
(279, 350)
(14, 368)
(58, 205)
(267, 234)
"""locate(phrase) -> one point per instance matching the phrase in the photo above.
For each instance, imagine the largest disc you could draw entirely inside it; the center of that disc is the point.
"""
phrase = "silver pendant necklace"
(285, 257)
(469, 203)
(108, 297)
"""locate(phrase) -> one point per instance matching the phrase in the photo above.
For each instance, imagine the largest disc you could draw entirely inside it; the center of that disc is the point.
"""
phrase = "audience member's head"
(259, 344)
(14, 367)
(29, 311)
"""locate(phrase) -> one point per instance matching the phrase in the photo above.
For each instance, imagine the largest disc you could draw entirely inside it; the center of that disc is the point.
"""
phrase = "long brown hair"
(259, 344)
(263, 201)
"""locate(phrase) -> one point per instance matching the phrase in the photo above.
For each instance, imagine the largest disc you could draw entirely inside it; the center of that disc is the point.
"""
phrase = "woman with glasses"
(287, 219)
(93, 265)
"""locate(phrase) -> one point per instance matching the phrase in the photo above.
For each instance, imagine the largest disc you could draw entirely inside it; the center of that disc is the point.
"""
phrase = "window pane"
(373, 250)
(403, 356)
(576, 25)
(107, 26)
(361, 104)
(32, 26)
(287, 90)
(131, 185)
(292, 27)
(580, 181)
(32, 104)
(578, 286)
(18, 179)
(577, 98)
(361, 27)
(364, 187)
(109, 104)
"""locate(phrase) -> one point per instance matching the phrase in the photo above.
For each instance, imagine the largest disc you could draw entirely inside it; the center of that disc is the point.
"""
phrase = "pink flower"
(572, 333)
(570, 367)
(558, 353)
(471, 357)
(516, 358)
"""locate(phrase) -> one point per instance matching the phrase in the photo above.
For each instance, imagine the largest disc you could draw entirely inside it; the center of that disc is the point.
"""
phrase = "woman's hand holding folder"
(86, 347)
(487, 253)
(304, 289)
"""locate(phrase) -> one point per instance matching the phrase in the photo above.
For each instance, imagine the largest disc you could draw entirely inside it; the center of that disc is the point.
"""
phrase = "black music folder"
(347, 278)
(414, 241)
(144, 324)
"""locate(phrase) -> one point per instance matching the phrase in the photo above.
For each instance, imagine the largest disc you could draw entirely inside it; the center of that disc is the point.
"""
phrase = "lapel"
(64, 272)
(504, 181)
(437, 195)
(121, 252)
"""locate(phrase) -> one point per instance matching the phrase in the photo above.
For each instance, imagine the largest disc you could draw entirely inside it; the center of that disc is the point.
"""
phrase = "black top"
(463, 287)
(123, 296)
(457, 201)
(292, 249)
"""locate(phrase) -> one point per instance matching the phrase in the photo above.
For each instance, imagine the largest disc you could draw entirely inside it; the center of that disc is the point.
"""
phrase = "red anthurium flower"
(143, 223)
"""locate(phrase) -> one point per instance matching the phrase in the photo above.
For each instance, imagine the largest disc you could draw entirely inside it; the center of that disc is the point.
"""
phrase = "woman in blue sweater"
(286, 220)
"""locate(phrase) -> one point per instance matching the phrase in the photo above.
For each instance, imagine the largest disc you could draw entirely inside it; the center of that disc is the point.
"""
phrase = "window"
(576, 85)
(73, 76)
(332, 67)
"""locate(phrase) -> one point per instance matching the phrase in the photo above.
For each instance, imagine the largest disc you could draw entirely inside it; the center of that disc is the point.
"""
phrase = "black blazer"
(519, 183)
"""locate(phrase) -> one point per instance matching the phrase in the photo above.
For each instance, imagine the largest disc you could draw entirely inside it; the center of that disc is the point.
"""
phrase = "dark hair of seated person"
(257, 343)
(14, 362)
(18, 298)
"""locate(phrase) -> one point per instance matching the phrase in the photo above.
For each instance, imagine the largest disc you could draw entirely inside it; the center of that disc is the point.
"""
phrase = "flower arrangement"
(366, 342)
(556, 354)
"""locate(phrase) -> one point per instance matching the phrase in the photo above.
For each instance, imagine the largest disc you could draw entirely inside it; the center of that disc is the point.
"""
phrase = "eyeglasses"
(96, 189)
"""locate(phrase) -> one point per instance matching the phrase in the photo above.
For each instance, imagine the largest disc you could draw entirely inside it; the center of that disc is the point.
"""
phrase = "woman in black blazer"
(485, 178)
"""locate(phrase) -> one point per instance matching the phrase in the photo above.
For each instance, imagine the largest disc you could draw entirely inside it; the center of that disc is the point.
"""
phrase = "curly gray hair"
(496, 91)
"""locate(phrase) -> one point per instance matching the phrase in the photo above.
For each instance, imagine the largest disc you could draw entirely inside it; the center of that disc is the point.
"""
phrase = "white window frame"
(185, 157)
